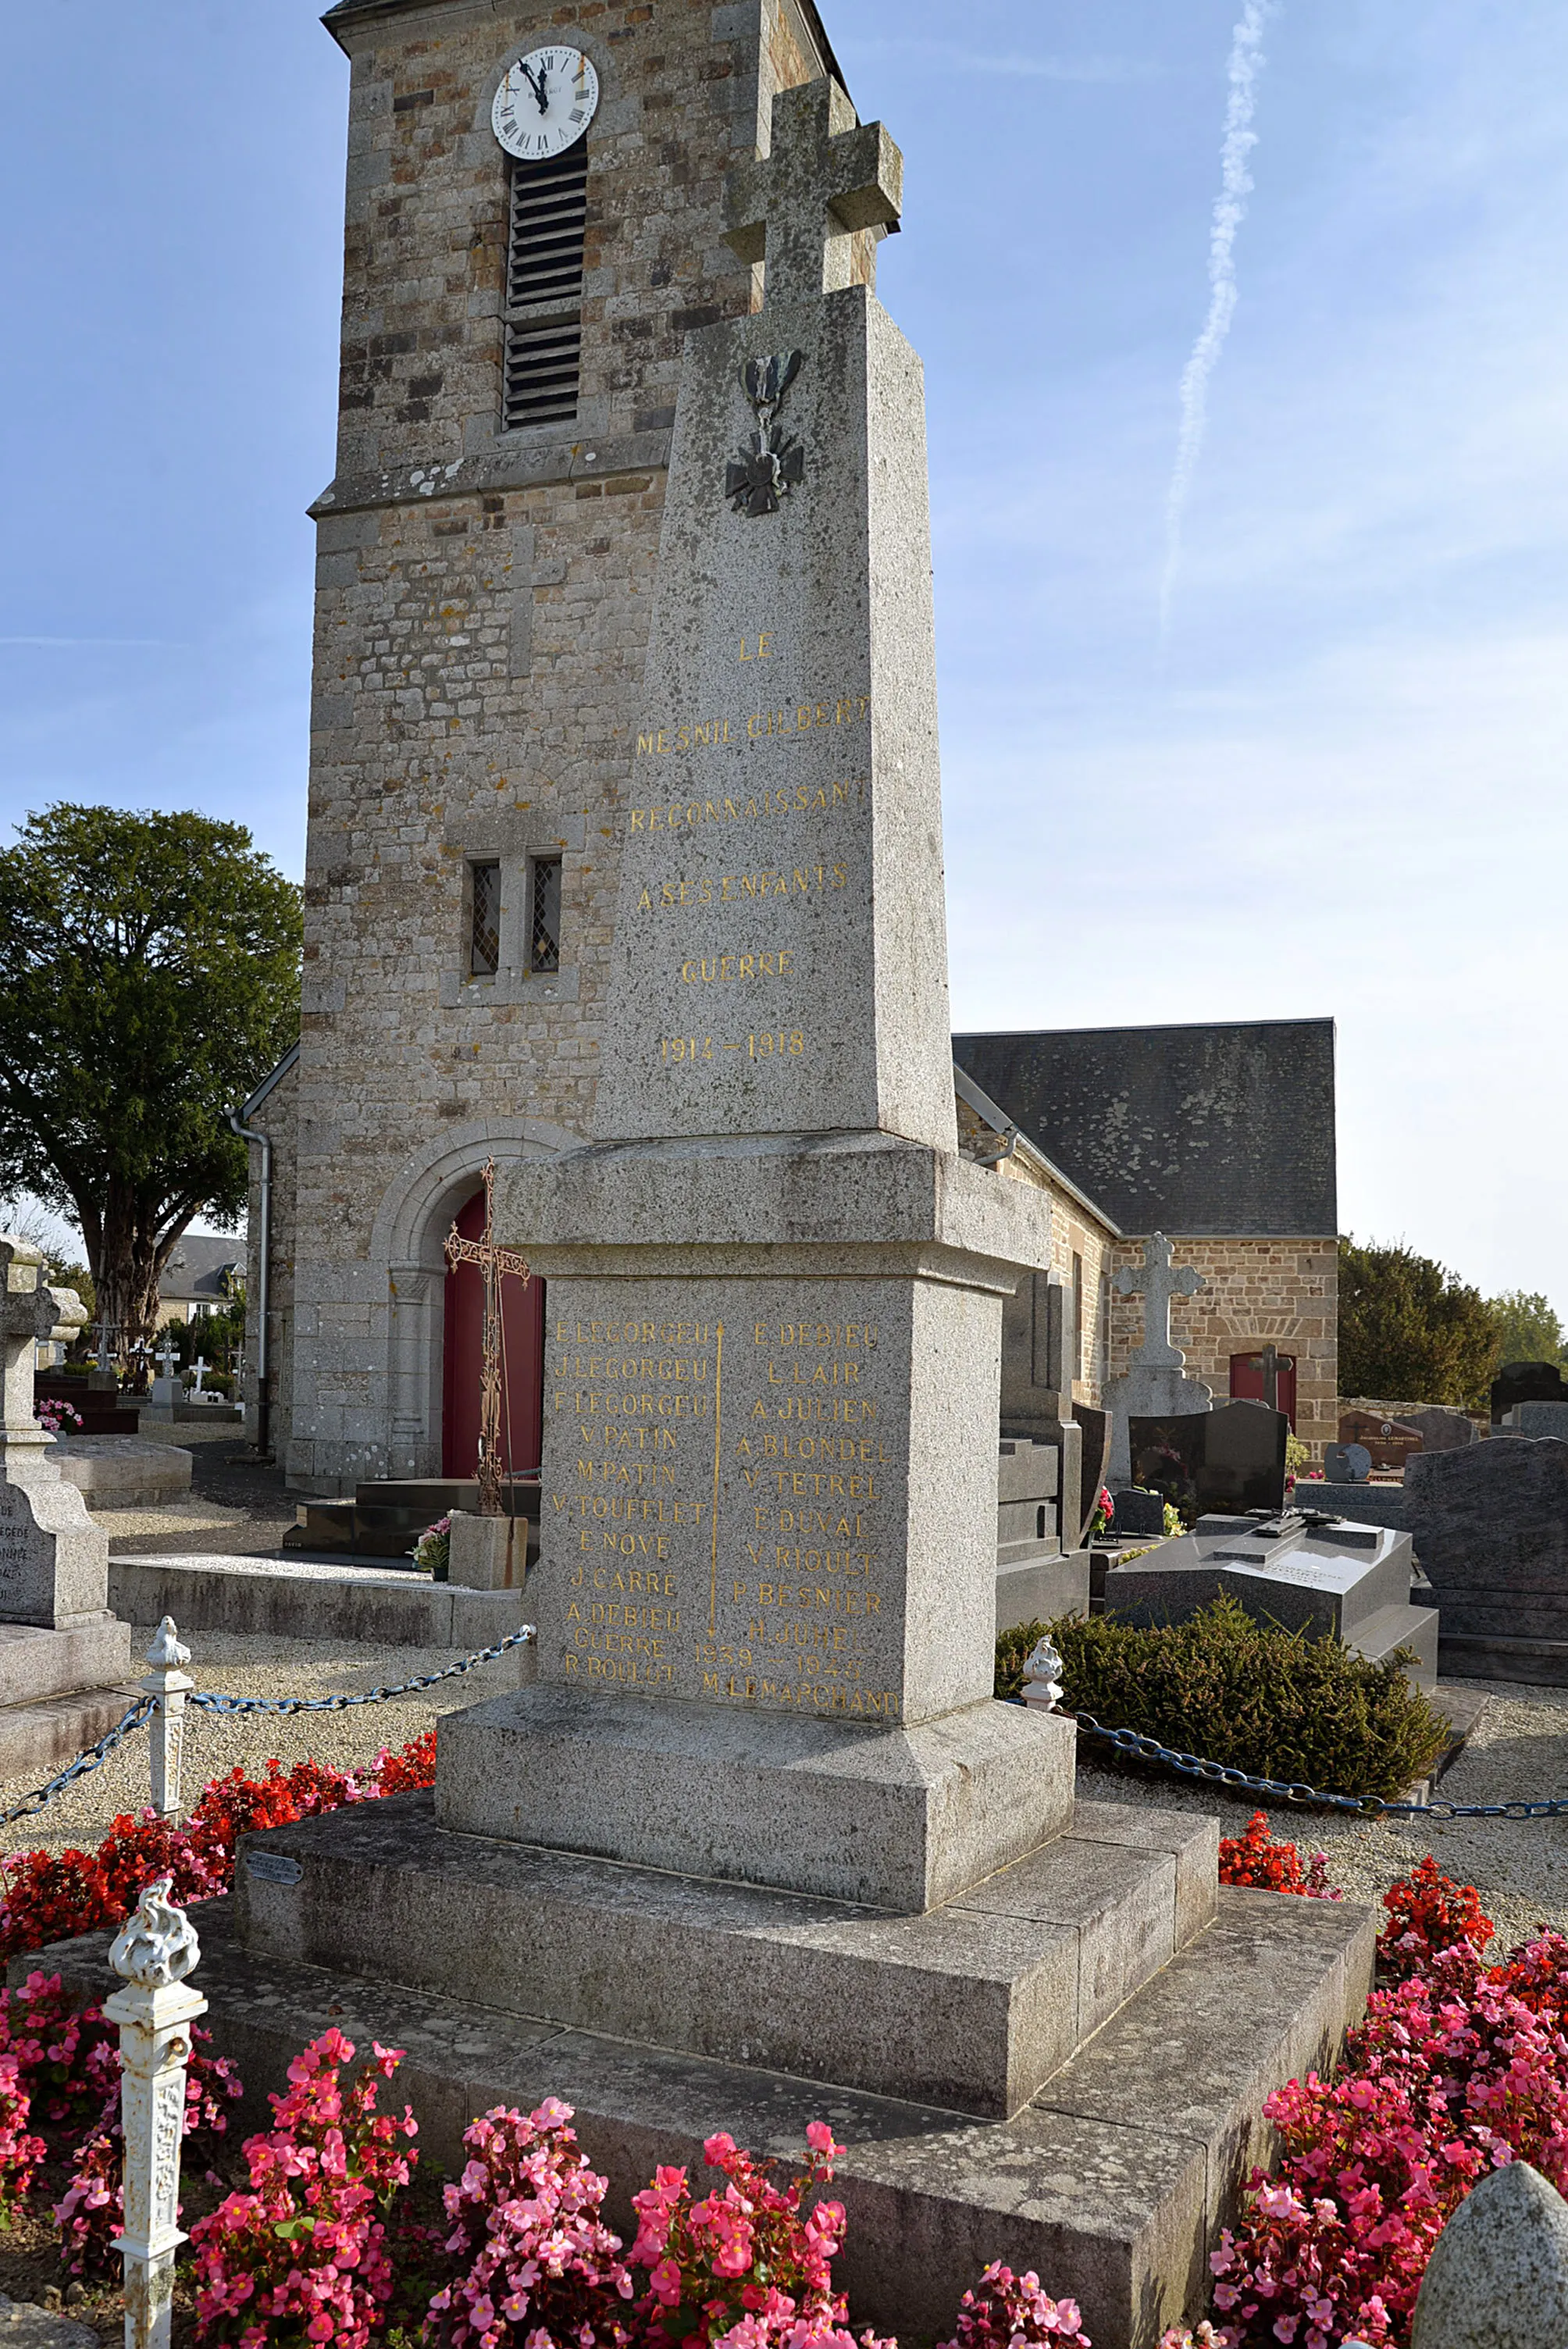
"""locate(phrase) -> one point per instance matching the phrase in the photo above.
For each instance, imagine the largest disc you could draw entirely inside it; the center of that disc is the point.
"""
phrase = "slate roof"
(1207, 1130)
(197, 1267)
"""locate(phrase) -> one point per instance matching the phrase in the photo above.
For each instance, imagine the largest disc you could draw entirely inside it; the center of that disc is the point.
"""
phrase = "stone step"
(973, 2005)
(39, 1737)
(1400, 1625)
(38, 1663)
(1111, 2184)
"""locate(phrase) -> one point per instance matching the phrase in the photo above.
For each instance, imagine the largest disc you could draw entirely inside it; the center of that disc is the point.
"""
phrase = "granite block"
(902, 1818)
(1191, 1839)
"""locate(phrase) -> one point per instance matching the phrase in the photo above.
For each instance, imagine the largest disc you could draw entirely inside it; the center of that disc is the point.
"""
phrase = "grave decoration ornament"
(762, 476)
(1042, 1685)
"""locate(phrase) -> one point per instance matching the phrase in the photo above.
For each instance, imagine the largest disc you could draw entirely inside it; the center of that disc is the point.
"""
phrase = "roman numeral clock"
(545, 102)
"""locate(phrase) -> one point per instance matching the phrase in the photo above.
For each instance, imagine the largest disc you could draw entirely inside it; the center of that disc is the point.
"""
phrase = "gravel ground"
(1518, 1751)
(253, 1665)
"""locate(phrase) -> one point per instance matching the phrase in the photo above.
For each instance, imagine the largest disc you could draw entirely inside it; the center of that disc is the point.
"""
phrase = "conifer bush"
(1272, 1703)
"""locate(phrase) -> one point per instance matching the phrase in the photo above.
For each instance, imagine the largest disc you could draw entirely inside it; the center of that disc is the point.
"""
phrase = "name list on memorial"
(743, 962)
(724, 1494)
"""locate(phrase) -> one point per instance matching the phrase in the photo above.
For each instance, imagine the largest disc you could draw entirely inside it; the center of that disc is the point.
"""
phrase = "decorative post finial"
(153, 1952)
(1042, 1687)
(167, 1685)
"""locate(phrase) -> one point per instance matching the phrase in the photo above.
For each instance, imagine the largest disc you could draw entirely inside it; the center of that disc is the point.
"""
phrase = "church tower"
(535, 223)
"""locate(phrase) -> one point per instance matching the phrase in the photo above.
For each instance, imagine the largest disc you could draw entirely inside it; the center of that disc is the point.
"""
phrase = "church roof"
(1209, 1130)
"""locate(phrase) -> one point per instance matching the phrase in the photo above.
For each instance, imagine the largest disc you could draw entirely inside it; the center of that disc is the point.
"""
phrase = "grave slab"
(1491, 1529)
(1343, 1581)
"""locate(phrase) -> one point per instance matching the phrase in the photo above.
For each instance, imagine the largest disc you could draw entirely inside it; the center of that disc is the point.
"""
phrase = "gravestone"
(1491, 1529)
(1348, 1463)
(1441, 1430)
(1538, 1419)
(1035, 1582)
(1389, 1442)
(1037, 1387)
(1232, 1457)
(1332, 1579)
(57, 1638)
(1526, 1382)
(1498, 2274)
(1137, 1512)
(1094, 1429)
(1153, 1386)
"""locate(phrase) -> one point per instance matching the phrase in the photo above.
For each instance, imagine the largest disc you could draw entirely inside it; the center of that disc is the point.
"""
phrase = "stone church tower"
(512, 338)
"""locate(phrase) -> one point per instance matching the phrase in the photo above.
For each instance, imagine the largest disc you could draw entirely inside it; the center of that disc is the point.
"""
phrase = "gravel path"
(1519, 1751)
(253, 1665)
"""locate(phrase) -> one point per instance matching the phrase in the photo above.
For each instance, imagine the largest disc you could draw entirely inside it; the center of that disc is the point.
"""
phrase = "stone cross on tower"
(826, 177)
(1159, 1283)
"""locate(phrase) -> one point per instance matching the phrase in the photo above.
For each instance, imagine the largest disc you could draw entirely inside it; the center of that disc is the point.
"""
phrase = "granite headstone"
(1346, 1464)
(1137, 1512)
(1232, 1457)
(1491, 1529)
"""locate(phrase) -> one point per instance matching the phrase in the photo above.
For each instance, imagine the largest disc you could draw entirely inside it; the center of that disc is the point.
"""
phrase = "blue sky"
(1336, 790)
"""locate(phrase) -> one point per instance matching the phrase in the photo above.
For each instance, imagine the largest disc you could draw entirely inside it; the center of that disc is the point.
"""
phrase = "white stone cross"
(198, 1366)
(1158, 1284)
(166, 1358)
(825, 176)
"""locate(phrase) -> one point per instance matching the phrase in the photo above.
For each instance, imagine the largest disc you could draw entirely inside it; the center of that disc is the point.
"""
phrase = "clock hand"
(536, 86)
(539, 92)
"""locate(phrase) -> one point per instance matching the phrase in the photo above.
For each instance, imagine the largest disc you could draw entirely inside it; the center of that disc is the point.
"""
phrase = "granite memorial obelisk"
(774, 1288)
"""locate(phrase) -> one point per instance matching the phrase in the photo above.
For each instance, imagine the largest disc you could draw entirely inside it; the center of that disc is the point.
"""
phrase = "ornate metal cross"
(825, 177)
(1158, 1284)
(494, 1263)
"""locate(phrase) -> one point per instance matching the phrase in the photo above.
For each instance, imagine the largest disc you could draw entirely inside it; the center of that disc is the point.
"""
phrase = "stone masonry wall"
(482, 609)
(1076, 1234)
(1286, 1290)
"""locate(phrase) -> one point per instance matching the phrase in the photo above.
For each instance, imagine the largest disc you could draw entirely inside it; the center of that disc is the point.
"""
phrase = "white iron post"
(168, 1684)
(1042, 1690)
(152, 1953)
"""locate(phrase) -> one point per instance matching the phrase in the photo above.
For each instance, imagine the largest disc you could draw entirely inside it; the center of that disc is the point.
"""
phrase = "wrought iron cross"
(494, 1263)
(825, 176)
(1158, 1284)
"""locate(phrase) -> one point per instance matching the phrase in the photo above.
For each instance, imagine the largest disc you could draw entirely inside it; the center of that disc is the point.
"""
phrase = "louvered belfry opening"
(544, 288)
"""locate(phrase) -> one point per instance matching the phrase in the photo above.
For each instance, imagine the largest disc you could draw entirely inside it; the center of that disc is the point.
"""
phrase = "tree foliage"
(149, 978)
(1411, 1328)
(1528, 1330)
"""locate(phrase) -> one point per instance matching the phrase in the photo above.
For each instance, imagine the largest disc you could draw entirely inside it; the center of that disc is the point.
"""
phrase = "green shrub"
(1275, 1704)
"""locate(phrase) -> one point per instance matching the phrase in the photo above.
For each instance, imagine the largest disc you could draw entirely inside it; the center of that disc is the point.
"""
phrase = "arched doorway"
(522, 1360)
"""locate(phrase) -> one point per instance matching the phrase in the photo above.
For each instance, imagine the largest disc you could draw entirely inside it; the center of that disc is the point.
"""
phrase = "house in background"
(201, 1277)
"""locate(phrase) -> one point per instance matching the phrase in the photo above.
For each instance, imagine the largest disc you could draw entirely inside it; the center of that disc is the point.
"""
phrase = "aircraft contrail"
(1230, 210)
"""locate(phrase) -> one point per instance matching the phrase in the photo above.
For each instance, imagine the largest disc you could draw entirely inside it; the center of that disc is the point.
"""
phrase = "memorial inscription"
(730, 1496)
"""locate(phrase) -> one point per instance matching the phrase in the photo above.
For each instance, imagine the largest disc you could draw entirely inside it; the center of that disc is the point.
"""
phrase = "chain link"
(91, 1758)
(1220, 1773)
(207, 1700)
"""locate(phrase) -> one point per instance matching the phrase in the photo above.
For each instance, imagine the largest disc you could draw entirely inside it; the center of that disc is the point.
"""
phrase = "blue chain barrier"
(205, 1701)
(91, 1758)
(1219, 1773)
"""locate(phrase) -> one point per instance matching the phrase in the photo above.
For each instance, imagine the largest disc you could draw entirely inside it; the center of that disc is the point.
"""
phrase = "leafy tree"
(1411, 1330)
(1528, 1330)
(149, 978)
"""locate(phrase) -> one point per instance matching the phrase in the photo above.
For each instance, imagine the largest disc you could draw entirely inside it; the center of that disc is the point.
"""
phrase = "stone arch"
(407, 1241)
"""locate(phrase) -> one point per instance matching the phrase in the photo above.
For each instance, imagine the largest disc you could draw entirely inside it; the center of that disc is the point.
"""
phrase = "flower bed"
(1458, 2067)
(51, 1896)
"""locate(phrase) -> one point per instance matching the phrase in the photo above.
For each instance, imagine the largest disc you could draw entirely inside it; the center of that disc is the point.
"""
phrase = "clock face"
(545, 103)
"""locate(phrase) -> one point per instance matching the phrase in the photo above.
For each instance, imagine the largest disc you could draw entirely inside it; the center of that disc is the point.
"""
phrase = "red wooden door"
(1247, 1382)
(522, 1363)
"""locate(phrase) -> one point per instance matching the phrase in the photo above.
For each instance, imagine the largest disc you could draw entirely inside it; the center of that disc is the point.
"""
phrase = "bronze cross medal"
(494, 1263)
(758, 480)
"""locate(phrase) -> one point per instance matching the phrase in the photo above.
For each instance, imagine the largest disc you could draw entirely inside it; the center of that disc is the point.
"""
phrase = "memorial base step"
(1112, 2183)
(299, 1599)
(1478, 1655)
(972, 2006)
